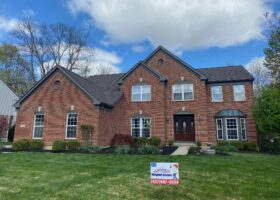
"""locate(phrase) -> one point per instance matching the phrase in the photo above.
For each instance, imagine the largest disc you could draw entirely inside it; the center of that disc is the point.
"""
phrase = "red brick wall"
(55, 105)
(229, 103)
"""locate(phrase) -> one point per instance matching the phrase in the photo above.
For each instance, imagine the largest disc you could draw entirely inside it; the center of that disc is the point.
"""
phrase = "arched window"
(38, 125)
(71, 125)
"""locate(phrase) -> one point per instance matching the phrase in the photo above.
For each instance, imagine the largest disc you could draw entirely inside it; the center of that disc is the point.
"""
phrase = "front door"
(184, 128)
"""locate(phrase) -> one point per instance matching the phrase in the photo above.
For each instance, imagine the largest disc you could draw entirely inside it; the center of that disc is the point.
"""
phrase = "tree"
(272, 53)
(261, 74)
(14, 71)
(46, 46)
(267, 110)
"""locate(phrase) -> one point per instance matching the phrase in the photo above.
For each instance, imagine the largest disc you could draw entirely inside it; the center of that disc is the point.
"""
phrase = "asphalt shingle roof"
(226, 74)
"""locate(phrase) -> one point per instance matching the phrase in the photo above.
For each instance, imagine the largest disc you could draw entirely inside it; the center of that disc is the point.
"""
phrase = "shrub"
(36, 144)
(194, 150)
(123, 149)
(142, 141)
(148, 149)
(223, 143)
(87, 131)
(21, 145)
(122, 139)
(249, 146)
(238, 144)
(90, 149)
(225, 148)
(198, 143)
(154, 140)
(73, 145)
(170, 142)
(58, 145)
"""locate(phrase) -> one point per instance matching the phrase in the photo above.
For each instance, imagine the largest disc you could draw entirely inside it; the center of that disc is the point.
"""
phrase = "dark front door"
(184, 128)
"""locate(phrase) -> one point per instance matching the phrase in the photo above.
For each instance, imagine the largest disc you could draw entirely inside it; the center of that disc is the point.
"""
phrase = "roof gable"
(92, 90)
(186, 65)
(161, 77)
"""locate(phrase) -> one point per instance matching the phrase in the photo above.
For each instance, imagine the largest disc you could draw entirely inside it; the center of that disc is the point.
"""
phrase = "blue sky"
(200, 32)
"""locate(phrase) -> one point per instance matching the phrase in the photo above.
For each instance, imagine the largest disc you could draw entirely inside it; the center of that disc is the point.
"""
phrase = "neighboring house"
(7, 110)
(161, 96)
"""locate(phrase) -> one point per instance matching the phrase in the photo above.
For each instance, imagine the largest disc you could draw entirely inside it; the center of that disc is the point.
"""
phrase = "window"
(217, 93)
(38, 126)
(160, 61)
(71, 125)
(243, 129)
(141, 127)
(219, 128)
(182, 92)
(141, 93)
(239, 92)
(231, 128)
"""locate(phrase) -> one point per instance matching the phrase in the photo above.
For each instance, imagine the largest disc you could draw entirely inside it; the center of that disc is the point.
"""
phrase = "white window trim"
(71, 138)
(141, 93)
(141, 126)
(212, 96)
(244, 129)
(236, 128)
(217, 129)
(234, 96)
(41, 126)
(192, 99)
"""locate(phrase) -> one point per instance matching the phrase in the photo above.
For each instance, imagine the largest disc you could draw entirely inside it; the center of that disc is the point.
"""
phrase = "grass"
(87, 176)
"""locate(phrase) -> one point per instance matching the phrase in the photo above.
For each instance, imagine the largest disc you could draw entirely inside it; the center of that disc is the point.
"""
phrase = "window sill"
(37, 138)
(70, 138)
(140, 101)
(182, 100)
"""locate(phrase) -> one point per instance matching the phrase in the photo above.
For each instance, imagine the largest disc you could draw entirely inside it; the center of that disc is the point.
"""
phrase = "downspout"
(164, 110)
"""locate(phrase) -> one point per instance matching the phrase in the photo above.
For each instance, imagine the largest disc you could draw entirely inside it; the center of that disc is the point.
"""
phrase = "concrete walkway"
(183, 148)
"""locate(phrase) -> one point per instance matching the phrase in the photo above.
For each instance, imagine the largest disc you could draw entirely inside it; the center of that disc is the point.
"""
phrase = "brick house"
(160, 96)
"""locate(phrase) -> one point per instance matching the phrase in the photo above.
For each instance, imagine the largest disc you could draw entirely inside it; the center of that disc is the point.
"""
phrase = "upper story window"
(141, 127)
(217, 93)
(141, 92)
(239, 93)
(182, 92)
(71, 125)
(38, 125)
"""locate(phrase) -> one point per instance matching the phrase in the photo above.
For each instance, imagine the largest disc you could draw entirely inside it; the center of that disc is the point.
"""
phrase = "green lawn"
(87, 176)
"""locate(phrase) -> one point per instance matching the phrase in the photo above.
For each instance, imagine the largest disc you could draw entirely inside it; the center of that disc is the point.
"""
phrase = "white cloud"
(176, 24)
(139, 48)
(105, 59)
(8, 24)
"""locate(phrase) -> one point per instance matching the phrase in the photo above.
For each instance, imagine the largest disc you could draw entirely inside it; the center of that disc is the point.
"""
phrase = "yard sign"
(164, 173)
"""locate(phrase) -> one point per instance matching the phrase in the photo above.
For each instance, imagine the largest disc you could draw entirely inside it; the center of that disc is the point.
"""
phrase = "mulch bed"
(167, 150)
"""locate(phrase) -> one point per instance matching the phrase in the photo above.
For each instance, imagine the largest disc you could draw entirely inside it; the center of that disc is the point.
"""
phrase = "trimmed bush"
(154, 140)
(90, 149)
(73, 145)
(194, 150)
(36, 144)
(123, 149)
(142, 141)
(148, 149)
(58, 145)
(249, 146)
(170, 142)
(198, 143)
(238, 144)
(21, 145)
(122, 139)
(223, 143)
(225, 148)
